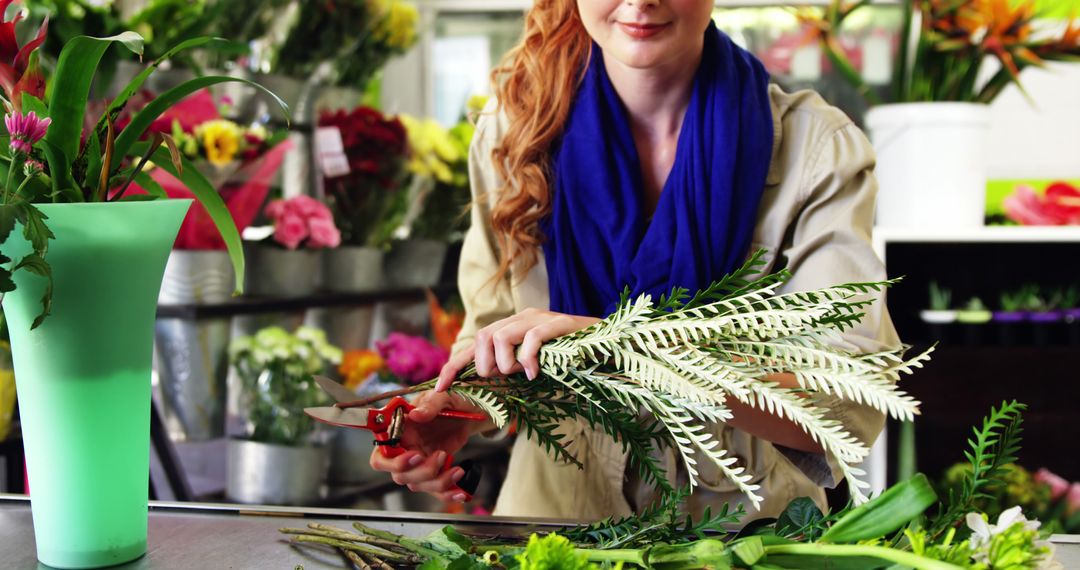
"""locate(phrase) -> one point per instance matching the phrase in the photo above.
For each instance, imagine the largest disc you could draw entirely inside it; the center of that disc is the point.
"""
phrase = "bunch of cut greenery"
(894, 530)
(679, 359)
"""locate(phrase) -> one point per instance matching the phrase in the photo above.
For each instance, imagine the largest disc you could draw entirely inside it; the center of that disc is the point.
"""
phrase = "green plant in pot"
(82, 262)
(279, 459)
(974, 313)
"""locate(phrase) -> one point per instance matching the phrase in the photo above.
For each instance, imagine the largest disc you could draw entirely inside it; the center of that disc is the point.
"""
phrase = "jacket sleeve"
(485, 300)
(829, 244)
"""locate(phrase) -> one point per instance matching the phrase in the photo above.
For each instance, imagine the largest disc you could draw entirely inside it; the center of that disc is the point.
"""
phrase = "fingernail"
(416, 460)
(530, 374)
(457, 475)
(440, 458)
(460, 497)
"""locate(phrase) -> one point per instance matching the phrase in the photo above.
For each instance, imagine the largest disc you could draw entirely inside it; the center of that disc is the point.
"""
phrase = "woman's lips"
(642, 31)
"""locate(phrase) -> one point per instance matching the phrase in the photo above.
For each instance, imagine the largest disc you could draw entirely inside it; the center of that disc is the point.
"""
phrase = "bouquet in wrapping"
(680, 359)
(368, 201)
(239, 161)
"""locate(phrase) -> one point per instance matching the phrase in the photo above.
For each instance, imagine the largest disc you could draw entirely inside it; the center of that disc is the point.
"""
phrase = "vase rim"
(944, 113)
(129, 204)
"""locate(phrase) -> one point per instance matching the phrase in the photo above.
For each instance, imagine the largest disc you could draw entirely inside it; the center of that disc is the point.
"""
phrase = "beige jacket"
(815, 219)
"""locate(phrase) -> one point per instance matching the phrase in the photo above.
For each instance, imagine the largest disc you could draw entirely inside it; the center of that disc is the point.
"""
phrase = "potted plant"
(278, 459)
(366, 195)
(930, 137)
(1046, 317)
(287, 263)
(83, 260)
(1012, 316)
(973, 317)
(439, 198)
(940, 314)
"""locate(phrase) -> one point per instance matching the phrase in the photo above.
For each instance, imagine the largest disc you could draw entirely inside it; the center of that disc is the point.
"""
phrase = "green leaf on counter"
(798, 518)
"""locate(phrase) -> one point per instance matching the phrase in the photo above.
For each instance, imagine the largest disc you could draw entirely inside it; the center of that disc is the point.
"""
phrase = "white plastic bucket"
(931, 164)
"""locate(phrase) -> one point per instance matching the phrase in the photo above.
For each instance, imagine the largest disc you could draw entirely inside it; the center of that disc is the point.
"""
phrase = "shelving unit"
(963, 379)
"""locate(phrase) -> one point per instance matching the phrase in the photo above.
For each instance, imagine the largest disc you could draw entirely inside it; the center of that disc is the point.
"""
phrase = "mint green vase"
(83, 377)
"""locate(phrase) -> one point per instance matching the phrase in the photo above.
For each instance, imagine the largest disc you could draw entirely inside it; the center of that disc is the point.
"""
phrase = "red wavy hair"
(535, 85)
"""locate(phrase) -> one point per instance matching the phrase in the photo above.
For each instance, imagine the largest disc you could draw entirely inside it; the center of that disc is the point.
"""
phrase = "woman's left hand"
(495, 348)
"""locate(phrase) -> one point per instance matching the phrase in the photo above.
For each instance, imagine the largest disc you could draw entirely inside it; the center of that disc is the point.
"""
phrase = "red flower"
(17, 76)
(1059, 206)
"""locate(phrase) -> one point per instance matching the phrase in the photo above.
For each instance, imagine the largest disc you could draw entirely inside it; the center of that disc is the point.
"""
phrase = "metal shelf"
(261, 305)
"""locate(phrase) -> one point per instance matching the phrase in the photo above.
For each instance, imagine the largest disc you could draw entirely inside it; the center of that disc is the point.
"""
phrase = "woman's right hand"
(429, 439)
(512, 345)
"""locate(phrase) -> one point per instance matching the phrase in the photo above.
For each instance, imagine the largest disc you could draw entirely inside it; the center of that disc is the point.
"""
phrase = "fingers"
(445, 482)
(428, 405)
(422, 471)
(399, 464)
(423, 474)
(450, 370)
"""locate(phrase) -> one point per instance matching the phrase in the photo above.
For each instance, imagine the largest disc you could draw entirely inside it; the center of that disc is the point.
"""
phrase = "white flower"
(982, 532)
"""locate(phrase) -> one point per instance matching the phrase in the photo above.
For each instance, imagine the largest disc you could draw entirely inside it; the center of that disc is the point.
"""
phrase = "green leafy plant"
(1019, 299)
(354, 38)
(940, 297)
(47, 162)
(993, 446)
(944, 44)
(275, 368)
(680, 358)
(894, 530)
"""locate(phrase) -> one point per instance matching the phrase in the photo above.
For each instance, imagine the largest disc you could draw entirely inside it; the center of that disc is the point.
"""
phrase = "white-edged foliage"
(679, 360)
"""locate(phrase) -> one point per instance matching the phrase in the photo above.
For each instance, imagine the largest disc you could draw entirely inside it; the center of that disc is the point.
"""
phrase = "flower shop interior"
(352, 212)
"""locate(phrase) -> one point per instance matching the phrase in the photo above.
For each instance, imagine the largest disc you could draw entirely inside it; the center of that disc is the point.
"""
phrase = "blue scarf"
(598, 239)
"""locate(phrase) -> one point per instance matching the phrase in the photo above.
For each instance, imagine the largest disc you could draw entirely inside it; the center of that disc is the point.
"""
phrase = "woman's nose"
(642, 3)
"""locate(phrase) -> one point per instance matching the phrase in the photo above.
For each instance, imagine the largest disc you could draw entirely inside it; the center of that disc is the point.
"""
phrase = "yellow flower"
(396, 26)
(358, 365)
(221, 139)
(433, 148)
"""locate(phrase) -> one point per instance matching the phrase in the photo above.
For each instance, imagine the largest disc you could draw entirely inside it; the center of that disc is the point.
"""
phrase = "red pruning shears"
(387, 423)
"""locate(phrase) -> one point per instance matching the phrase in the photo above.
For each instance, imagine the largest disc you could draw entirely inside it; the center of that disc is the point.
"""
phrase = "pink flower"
(412, 358)
(1072, 499)
(1058, 486)
(25, 130)
(323, 233)
(290, 231)
(1060, 205)
(303, 218)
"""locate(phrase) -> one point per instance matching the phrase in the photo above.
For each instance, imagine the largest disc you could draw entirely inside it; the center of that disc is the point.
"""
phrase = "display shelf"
(987, 234)
(249, 305)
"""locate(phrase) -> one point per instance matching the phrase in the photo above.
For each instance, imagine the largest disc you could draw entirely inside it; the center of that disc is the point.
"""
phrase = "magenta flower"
(25, 130)
(412, 358)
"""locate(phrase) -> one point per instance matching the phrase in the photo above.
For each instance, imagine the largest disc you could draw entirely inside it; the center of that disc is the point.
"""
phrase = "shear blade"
(345, 417)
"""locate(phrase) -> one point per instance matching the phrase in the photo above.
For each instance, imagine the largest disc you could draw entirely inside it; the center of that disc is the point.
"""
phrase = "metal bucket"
(415, 263)
(353, 269)
(192, 364)
(346, 327)
(191, 356)
(268, 474)
(277, 272)
(199, 277)
(350, 456)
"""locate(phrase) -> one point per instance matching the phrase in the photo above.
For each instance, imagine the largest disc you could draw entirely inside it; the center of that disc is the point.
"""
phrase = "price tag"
(331, 152)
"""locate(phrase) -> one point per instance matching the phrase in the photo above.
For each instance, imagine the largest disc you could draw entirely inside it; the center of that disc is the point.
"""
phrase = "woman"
(634, 144)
